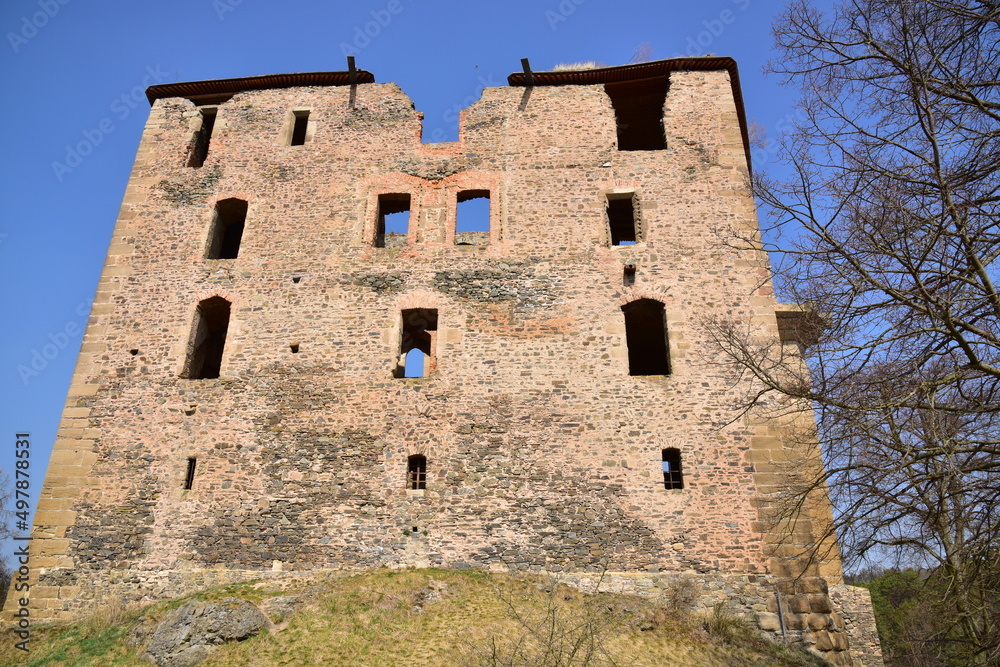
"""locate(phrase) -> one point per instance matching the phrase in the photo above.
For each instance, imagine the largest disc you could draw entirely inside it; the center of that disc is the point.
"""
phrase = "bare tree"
(886, 225)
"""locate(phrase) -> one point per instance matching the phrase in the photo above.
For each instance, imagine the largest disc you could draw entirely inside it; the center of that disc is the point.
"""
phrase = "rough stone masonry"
(300, 359)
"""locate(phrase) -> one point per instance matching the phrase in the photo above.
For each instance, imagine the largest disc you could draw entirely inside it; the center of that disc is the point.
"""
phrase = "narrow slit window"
(226, 233)
(622, 219)
(472, 218)
(189, 477)
(416, 472)
(638, 109)
(392, 220)
(418, 343)
(208, 339)
(672, 477)
(300, 123)
(646, 337)
(202, 138)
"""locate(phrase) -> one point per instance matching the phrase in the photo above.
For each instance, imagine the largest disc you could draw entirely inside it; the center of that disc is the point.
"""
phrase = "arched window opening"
(414, 364)
(226, 234)
(672, 477)
(646, 337)
(418, 343)
(208, 339)
(416, 472)
(472, 218)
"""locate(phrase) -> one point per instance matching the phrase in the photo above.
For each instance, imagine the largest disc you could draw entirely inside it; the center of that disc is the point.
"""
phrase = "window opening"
(202, 138)
(621, 219)
(672, 477)
(472, 218)
(189, 477)
(208, 339)
(300, 124)
(227, 229)
(628, 275)
(392, 220)
(416, 473)
(417, 343)
(638, 109)
(646, 337)
(414, 364)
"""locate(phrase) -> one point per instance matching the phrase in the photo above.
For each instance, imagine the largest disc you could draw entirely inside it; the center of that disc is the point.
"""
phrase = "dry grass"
(438, 618)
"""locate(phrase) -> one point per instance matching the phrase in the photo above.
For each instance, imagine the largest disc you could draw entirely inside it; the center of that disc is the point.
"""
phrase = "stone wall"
(855, 605)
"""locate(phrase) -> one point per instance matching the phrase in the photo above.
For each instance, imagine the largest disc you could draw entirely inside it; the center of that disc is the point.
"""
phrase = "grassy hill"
(428, 617)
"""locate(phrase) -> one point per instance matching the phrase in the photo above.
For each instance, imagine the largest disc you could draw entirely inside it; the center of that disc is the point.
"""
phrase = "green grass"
(435, 618)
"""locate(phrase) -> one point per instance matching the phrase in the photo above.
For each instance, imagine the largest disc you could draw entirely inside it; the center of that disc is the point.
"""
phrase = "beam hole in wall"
(646, 337)
(472, 218)
(296, 279)
(294, 347)
(133, 351)
(189, 476)
(300, 123)
(418, 341)
(621, 218)
(628, 275)
(672, 476)
(198, 152)
(226, 233)
(207, 340)
(416, 473)
(638, 109)
(392, 220)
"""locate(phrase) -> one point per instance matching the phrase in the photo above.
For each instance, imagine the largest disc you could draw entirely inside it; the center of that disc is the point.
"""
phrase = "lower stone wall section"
(810, 618)
(836, 623)
(855, 604)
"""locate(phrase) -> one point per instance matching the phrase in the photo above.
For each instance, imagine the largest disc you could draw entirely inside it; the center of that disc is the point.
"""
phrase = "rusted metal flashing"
(193, 90)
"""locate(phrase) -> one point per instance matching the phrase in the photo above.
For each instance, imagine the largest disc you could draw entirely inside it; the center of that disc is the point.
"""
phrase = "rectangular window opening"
(227, 229)
(300, 124)
(208, 339)
(392, 220)
(189, 477)
(646, 338)
(472, 218)
(202, 138)
(622, 219)
(418, 343)
(416, 474)
(672, 476)
(638, 109)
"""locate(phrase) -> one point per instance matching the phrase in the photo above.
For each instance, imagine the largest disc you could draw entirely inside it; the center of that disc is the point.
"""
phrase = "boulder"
(187, 635)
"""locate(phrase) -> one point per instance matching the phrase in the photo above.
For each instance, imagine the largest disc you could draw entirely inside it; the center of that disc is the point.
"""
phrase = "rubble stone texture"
(542, 452)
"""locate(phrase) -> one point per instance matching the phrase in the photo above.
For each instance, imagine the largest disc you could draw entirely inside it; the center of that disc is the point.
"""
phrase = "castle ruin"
(302, 357)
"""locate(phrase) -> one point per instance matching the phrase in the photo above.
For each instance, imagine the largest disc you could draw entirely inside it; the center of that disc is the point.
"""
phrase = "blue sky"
(74, 75)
